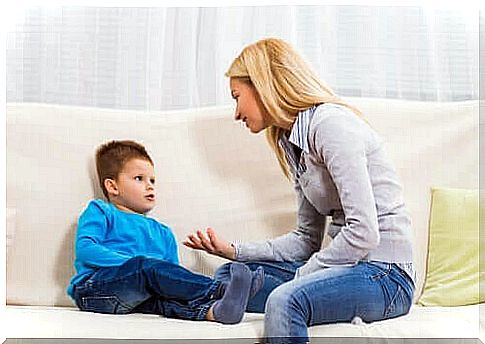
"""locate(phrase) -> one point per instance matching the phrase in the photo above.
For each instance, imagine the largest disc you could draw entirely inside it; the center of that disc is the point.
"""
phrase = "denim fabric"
(370, 290)
(275, 274)
(147, 285)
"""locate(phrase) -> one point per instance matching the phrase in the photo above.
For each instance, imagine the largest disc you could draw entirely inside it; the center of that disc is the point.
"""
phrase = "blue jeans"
(370, 290)
(275, 274)
(147, 285)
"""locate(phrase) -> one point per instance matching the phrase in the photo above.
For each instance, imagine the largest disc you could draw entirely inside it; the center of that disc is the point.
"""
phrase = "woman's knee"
(284, 316)
(279, 300)
(286, 299)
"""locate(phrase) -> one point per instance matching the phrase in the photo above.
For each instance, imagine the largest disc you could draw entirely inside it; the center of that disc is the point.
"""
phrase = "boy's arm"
(91, 230)
(170, 244)
(174, 250)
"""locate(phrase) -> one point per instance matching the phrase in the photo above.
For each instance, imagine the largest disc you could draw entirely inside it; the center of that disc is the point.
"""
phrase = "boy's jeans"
(147, 285)
(369, 290)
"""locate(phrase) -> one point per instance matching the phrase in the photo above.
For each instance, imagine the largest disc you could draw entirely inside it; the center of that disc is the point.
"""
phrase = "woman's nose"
(237, 115)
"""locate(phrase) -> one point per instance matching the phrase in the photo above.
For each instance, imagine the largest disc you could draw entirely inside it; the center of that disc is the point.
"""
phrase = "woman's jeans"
(147, 285)
(369, 290)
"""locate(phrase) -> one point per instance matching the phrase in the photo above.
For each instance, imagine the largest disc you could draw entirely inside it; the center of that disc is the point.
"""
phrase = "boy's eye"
(152, 181)
(139, 178)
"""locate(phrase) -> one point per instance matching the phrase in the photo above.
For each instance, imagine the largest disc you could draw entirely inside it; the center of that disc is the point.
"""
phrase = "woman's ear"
(111, 187)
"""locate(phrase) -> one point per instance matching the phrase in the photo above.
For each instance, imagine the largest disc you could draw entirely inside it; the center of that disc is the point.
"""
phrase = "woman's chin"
(254, 130)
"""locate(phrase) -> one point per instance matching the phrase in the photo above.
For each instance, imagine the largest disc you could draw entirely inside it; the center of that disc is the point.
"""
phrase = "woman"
(339, 170)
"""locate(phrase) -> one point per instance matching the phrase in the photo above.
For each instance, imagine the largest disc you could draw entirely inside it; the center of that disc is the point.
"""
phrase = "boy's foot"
(256, 284)
(257, 281)
(230, 309)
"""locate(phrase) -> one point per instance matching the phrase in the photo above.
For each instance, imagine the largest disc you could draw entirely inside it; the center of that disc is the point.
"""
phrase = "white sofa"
(211, 172)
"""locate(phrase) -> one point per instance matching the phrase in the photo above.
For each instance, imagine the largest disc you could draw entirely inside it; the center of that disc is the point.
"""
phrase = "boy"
(127, 262)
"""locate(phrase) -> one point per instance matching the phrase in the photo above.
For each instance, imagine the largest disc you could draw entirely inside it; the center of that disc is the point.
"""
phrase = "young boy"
(127, 262)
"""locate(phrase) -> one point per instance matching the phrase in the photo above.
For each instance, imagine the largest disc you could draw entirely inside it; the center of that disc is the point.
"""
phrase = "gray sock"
(257, 281)
(256, 284)
(230, 309)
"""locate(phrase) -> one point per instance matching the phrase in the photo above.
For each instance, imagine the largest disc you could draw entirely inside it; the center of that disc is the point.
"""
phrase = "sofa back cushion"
(210, 172)
(453, 266)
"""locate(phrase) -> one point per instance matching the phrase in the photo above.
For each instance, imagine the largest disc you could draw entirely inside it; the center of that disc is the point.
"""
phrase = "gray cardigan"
(340, 170)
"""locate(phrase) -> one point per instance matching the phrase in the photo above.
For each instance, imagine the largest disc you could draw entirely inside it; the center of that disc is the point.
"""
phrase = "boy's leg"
(120, 289)
(229, 309)
(111, 290)
(275, 274)
(257, 281)
(173, 281)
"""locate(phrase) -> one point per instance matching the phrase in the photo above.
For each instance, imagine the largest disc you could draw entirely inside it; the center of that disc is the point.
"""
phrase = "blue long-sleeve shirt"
(107, 236)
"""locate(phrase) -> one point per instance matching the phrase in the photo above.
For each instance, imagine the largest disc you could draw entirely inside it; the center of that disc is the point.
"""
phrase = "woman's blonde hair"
(285, 84)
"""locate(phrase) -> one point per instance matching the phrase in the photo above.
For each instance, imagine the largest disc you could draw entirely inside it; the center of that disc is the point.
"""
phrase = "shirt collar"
(299, 131)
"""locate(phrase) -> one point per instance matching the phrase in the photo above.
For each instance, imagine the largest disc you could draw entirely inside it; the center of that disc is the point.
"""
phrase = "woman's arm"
(297, 245)
(294, 246)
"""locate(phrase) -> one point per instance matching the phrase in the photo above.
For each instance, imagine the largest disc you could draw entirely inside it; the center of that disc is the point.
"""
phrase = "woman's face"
(249, 107)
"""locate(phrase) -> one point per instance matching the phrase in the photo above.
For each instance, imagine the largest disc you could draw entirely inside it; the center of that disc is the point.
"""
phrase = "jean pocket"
(379, 269)
(396, 301)
(103, 304)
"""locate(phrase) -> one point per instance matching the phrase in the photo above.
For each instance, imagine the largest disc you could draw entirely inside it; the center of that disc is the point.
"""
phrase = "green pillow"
(452, 276)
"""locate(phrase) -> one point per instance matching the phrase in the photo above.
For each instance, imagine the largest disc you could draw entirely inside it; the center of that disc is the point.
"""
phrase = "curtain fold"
(172, 58)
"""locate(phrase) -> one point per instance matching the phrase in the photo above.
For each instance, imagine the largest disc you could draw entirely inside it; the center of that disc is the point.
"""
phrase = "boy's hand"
(211, 244)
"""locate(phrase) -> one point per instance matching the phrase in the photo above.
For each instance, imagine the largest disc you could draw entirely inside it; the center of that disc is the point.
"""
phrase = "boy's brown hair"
(112, 156)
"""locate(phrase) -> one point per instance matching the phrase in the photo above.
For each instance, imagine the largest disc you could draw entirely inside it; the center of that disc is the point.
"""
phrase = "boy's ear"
(111, 187)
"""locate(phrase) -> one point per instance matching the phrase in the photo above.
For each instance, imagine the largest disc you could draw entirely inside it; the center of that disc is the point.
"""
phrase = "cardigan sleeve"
(297, 245)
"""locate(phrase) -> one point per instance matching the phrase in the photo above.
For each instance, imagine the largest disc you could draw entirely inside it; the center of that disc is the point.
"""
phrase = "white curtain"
(172, 58)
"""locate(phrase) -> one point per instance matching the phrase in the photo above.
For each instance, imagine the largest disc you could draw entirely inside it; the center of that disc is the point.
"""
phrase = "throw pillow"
(452, 276)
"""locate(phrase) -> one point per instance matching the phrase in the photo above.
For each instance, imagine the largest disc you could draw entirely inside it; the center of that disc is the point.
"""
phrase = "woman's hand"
(211, 244)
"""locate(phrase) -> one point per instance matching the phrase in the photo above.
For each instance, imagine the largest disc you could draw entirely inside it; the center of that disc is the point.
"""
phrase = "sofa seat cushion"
(64, 322)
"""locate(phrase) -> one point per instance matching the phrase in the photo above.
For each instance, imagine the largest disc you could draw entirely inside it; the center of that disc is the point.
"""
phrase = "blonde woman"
(339, 169)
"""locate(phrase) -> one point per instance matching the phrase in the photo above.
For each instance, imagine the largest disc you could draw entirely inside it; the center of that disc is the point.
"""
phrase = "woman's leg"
(369, 290)
(275, 274)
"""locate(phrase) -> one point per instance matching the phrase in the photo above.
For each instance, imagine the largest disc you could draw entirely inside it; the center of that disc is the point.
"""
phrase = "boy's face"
(134, 188)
